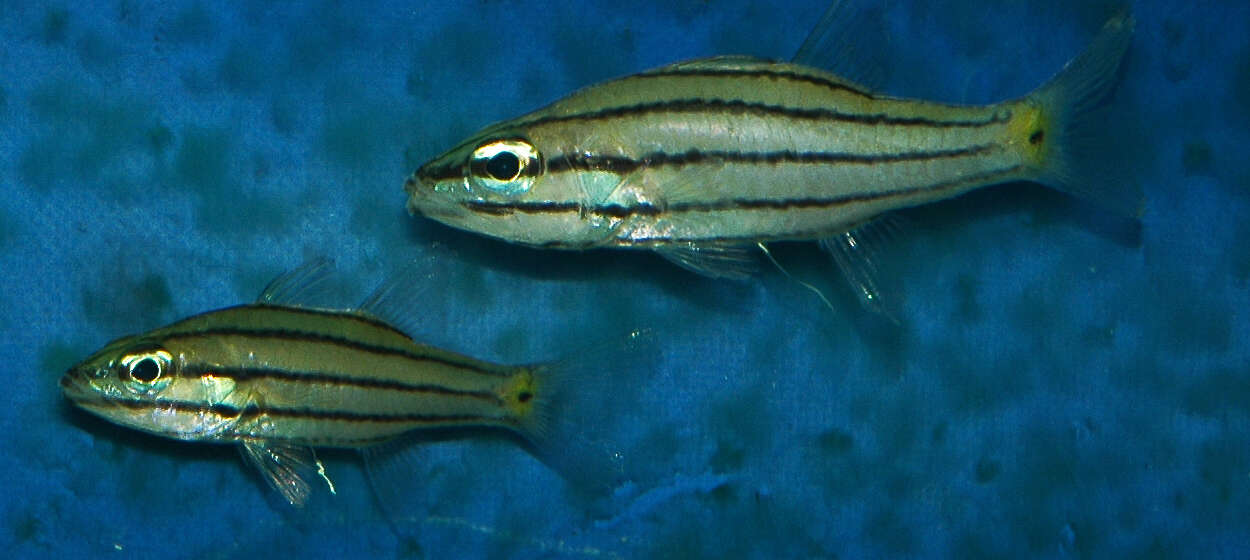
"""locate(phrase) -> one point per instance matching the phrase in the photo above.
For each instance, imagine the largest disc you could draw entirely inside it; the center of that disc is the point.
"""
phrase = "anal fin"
(855, 251)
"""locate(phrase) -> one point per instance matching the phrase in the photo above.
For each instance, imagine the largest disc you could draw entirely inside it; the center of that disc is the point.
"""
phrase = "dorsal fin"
(848, 41)
(295, 286)
(398, 299)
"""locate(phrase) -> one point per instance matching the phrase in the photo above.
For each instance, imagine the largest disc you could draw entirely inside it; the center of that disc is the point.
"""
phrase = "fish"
(279, 379)
(706, 160)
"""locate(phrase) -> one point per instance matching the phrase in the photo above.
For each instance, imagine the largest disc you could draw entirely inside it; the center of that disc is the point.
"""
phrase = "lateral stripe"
(305, 336)
(623, 165)
(280, 309)
(763, 204)
(646, 209)
(564, 163)
(740, 107)
(757, 73)
(249, 374)
(227, 411)
(362, 318)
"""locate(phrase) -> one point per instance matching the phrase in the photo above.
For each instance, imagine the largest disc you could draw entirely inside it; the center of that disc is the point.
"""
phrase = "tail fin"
(575, 402)
(1065, 136)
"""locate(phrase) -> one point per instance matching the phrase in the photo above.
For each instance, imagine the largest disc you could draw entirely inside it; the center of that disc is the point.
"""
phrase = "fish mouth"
(73, 386)
(76, 385)
(435, 205)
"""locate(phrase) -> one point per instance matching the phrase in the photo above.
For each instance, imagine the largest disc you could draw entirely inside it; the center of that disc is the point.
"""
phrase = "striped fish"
(704, 160)
(280, 379)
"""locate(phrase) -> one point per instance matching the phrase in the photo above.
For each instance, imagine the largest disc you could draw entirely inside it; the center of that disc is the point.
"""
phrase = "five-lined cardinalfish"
(702, 161)
(280, 379)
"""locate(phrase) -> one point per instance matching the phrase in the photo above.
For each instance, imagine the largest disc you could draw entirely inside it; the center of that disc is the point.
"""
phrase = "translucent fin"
(286, 468)
(578, 398)
(847, 41)
(594, 188)
(813, 289)
(716, 260)
(692, 181)
(397, 300)
(688, 183)
(294, 286)
(393, 471)
(1074, 152)
(855, 253)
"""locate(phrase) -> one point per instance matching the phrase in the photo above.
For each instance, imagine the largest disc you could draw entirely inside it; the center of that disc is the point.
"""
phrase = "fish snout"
(73, 383)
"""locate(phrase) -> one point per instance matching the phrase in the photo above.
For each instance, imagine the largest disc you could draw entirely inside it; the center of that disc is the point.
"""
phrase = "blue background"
(1060, 383)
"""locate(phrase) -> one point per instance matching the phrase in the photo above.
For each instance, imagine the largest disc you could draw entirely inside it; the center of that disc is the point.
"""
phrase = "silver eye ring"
(507, 167)
(148, 368)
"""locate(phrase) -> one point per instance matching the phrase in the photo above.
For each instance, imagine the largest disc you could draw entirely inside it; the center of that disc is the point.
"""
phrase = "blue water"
(1058, 384)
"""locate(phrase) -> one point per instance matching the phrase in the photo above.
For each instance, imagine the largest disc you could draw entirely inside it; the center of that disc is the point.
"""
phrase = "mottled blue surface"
(1060, 384)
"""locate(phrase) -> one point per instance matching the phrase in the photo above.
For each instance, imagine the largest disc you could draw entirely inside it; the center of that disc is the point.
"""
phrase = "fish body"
(294, 375)
(280, 379)
(725, 149)
(700, 157)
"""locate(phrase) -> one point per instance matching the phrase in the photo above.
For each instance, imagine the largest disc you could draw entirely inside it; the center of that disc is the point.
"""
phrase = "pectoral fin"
(712, 259)
(286, 468)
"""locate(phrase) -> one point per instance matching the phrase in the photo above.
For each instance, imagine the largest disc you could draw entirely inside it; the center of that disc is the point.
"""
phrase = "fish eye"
(504, 166)
(146, 368)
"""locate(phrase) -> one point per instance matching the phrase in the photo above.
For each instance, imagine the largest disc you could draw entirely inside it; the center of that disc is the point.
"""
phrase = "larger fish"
(705, 159)
(279, 379)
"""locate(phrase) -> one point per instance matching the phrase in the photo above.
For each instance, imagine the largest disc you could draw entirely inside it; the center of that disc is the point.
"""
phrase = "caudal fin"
(574, 404)
(1066, 138)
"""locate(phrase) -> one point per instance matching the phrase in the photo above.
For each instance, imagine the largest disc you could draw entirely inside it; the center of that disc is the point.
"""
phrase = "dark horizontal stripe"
(832, 202)
(334, 314)
(787, 75)
(351, 315)
(323, 338)
(252, 411)
(336, 441)
(780, 204)
(738, 106)
(446, 172)
(623, 165)
(253, 373)
(454, 170)
(647, 209)
(506, 208)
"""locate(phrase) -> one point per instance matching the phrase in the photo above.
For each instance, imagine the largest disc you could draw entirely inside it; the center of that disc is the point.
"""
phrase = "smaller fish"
(279, 379)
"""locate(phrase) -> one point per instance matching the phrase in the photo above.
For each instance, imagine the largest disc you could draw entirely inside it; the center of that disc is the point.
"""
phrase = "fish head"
(136, 382)
(505, 184)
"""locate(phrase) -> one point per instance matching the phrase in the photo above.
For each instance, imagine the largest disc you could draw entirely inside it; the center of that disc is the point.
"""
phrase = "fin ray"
(716, 260)
(577, 397)
(1071, 102)
(847, 42)
(856, 253)
(295, 285)
(286, 468)
(397, 300)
